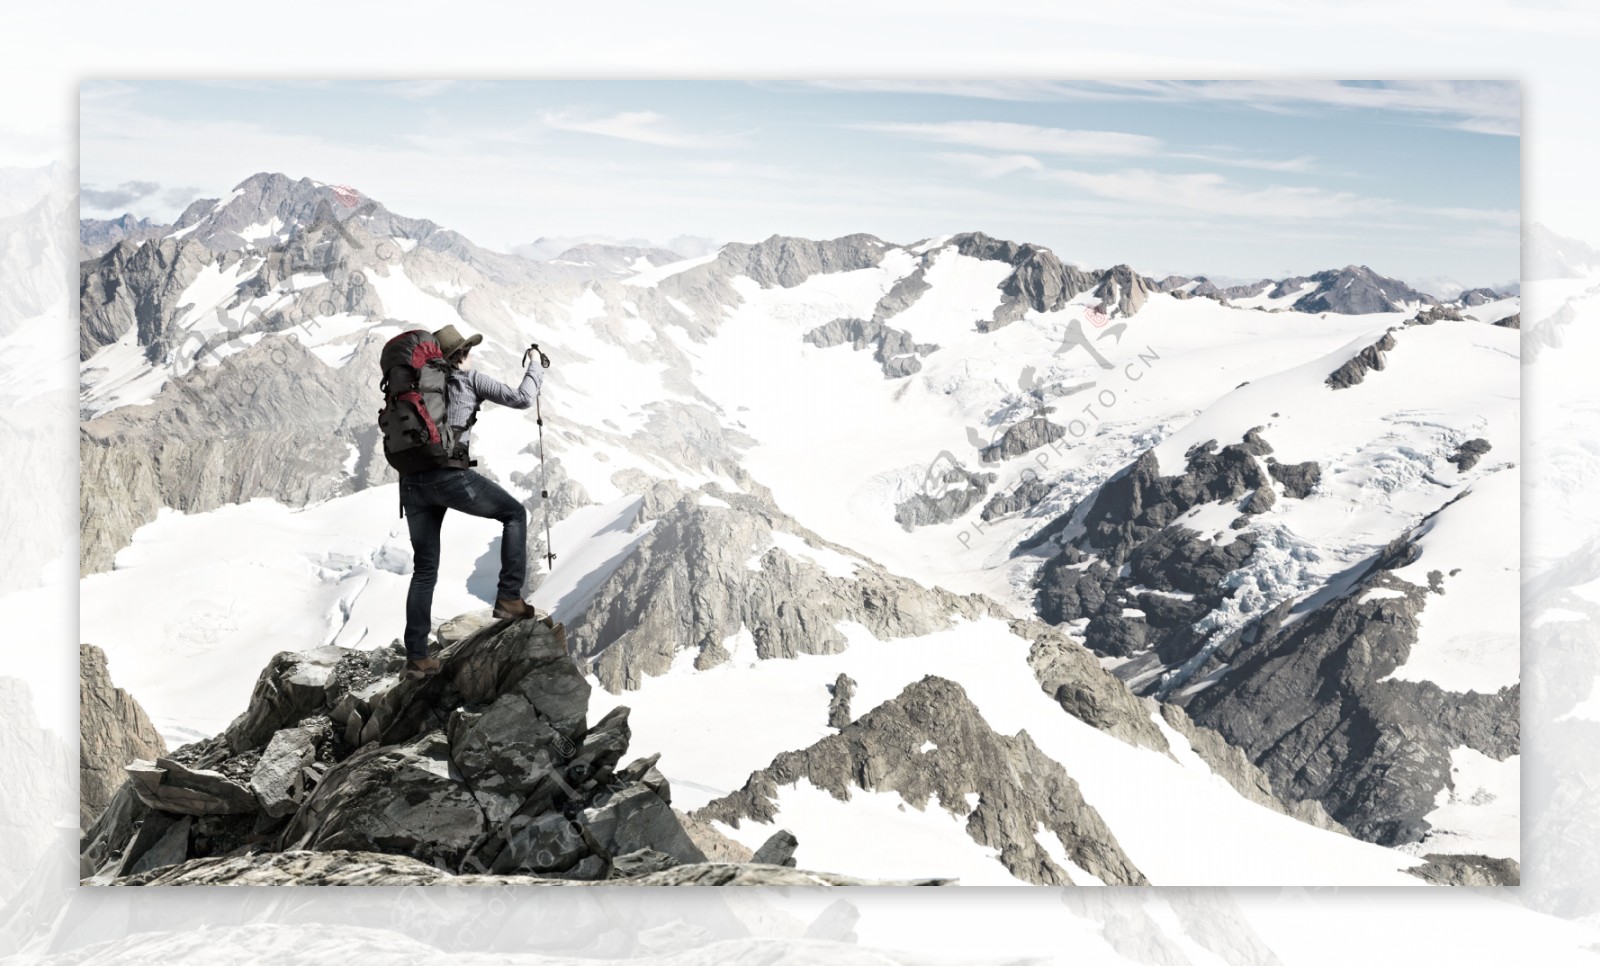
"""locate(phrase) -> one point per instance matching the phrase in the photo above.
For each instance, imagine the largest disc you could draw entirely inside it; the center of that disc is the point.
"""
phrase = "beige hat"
(450, 341)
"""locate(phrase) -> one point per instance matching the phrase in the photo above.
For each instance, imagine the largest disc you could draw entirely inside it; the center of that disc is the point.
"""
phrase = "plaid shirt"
(470, 389)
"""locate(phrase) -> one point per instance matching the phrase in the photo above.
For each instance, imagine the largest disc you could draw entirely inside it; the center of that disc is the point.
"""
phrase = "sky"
(1235, 179)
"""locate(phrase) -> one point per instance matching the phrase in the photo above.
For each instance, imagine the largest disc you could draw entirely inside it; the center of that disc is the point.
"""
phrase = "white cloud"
(1022, 140)
(645, 127)
(1212, 193)
(1484, 107)
(1008, 136)
(990, 165)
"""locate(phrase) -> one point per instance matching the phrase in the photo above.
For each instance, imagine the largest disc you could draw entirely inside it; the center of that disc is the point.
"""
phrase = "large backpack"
(416, 430)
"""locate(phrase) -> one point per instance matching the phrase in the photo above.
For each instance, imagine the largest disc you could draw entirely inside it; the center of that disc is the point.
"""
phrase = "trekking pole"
(544, 478)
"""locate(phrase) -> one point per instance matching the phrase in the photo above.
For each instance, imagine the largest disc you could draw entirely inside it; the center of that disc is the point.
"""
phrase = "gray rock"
(1071, 675)
(1512, 321)
(96, 236)
(292, 687)
(1234, 767)
(949, 491)
(637, 818)
(1468, 453)
(1028, 492)
(1018, 787)
(162, 841)
(113, 731)
(400, 798)
(778, 849)
(716, 846)
(170, 786)
(1122, 291)
(529, 659)
(639, 619)
(842, 690)
(642, 862)
(1022, 437)
(786, 262)
(1259, 501)
(1468, 870)
(893, 349)
(489, 767)
(1352, 290)
(278, 781)
(1436, 313)
(136, 287)
(1038, 281)
(1309, 705)
(902, 294)
(104, 843)
(344, 867)
(1367, 360)
(271, 420)
(1297, 479)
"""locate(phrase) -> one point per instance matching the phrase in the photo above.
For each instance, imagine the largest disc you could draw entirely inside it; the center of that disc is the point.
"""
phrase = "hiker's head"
(462, 357)
(454, 346)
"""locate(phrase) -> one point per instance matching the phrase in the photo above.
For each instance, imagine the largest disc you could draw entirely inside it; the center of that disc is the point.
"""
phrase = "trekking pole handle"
(533, 349)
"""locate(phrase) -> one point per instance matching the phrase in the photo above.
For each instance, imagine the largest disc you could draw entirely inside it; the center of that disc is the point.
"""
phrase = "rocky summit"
(490, 771)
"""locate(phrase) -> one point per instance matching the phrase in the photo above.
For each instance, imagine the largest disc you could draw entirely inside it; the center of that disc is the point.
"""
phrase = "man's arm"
(490, 389)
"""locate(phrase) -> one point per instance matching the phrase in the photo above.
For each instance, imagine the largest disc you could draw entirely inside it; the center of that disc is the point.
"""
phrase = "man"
(425, 496)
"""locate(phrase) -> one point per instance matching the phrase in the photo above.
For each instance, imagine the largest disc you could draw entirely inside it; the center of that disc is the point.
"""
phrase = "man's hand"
(527, 357)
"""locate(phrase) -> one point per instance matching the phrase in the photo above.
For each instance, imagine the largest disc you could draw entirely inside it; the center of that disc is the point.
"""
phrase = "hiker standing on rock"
(426, 377)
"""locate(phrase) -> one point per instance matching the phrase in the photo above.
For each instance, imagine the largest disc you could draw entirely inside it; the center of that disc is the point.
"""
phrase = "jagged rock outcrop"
(786, 262)
(136, 287)
(752, 571)
(1233, 766)
(1122, 291)
(96, 236)
(1297, 479)
(380, 869)
(272, 420)
(1474, 297)
(893, 349)
(1512, 321)
(1468, 453)
(113, 731)
(1027, 493)
(841, 691)
(1074, 679)
(1141, 582)
(1468, 870)
(1312, 706)
(1436, 313)
(716, 846)
(1039, 281)
(1018, 788)
(778, 849)
(1356, 368)
(1352, 290)
(491, 767)
(949, 490)
(1023, 436)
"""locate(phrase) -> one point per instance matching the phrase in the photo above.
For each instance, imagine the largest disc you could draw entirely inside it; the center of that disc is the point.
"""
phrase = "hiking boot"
(425, 668)
(514, 609)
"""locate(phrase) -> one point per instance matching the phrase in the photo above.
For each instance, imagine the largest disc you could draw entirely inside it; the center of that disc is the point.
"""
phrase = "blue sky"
(1418, 179)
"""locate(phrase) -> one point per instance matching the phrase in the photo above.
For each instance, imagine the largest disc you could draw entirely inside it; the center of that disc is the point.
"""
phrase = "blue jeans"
(425, 497)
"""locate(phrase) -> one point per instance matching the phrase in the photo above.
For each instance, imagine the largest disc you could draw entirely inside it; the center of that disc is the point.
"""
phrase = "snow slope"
(700, 723)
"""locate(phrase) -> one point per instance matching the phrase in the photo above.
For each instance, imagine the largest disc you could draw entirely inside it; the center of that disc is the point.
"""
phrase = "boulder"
(170, 786)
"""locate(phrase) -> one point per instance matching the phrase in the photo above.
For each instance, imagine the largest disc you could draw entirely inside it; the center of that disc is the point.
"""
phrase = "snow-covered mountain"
(947, 556)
